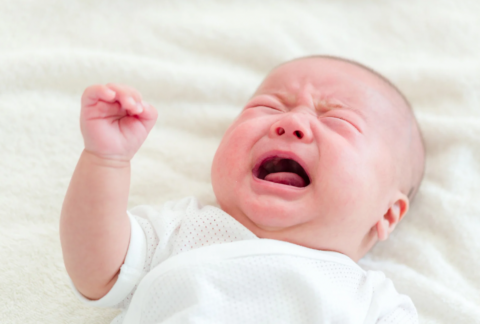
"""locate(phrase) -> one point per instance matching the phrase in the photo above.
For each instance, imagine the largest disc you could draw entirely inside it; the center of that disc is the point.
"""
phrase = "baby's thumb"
(149, 112)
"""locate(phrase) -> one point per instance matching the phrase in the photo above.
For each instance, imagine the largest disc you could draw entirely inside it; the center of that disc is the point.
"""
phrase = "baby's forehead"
(332, 82)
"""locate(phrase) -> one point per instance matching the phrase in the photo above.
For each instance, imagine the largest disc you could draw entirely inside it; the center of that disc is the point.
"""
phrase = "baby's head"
(326, 154)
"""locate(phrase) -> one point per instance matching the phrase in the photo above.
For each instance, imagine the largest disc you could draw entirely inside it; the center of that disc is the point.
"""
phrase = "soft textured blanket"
(198, 62)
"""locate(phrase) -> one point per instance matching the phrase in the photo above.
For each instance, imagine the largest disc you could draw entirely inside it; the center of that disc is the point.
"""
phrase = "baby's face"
(308, 159)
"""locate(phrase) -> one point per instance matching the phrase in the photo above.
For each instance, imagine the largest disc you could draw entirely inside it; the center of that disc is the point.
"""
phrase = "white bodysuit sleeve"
(131, 272)
(388, 306)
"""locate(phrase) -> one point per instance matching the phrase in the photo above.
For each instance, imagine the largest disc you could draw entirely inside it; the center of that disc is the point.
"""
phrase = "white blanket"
(198, 62)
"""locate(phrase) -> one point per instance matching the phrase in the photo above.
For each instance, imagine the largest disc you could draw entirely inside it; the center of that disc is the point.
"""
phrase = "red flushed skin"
(331, 119)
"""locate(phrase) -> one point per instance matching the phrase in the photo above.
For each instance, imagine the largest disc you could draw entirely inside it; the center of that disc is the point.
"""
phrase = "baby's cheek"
(232, 162)
(231, 154)
(240, 140)
(341, 175)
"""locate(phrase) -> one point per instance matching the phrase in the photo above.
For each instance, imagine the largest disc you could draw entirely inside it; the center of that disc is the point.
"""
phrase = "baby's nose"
(292, 126)
(297, 133)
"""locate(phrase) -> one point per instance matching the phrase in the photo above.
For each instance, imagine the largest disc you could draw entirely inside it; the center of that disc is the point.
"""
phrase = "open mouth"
(283, 171)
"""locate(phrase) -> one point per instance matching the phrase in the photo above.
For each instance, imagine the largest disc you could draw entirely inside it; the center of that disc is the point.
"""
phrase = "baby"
(320, 165)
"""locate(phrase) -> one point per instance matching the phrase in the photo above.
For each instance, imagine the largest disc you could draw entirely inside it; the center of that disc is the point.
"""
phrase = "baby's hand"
(115, 121)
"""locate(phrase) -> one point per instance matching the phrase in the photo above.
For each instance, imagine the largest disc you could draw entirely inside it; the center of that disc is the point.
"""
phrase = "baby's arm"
(94, 226)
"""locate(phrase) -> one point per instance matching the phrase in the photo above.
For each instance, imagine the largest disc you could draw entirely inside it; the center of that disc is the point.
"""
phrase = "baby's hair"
(418, 168)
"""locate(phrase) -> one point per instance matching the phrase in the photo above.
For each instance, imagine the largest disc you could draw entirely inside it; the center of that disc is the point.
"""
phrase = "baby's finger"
(149, 112)
(94, 93)
(128, 98)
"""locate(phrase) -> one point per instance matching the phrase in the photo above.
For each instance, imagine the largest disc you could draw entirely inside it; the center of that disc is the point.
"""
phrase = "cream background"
(198, 62)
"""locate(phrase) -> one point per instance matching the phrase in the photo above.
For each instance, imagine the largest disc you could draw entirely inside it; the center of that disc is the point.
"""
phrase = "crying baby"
(320, 165)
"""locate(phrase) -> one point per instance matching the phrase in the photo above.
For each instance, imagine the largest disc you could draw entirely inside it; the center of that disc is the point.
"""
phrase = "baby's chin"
(270, 213)
(264, 206)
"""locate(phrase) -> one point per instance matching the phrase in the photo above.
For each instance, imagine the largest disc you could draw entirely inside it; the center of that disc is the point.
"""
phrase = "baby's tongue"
(286, 178)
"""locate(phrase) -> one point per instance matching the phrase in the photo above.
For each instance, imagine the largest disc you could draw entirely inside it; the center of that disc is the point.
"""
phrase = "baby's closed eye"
(340, 124)
(264, 107)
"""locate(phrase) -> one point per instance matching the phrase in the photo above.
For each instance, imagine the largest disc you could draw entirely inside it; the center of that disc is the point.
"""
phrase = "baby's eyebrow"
(285, 97)
(328, 105)
(323, 105)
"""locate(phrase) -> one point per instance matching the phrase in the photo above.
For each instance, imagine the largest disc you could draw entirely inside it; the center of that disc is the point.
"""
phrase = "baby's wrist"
(106, 161)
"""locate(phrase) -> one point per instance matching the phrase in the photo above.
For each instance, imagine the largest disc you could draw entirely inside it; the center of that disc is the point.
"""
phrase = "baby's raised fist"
(115, 121)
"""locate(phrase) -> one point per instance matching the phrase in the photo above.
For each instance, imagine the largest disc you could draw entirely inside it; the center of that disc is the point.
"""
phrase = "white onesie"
(192, 264)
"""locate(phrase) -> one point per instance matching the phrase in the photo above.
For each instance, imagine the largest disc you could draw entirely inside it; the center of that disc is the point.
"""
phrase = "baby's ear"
(394, 214)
